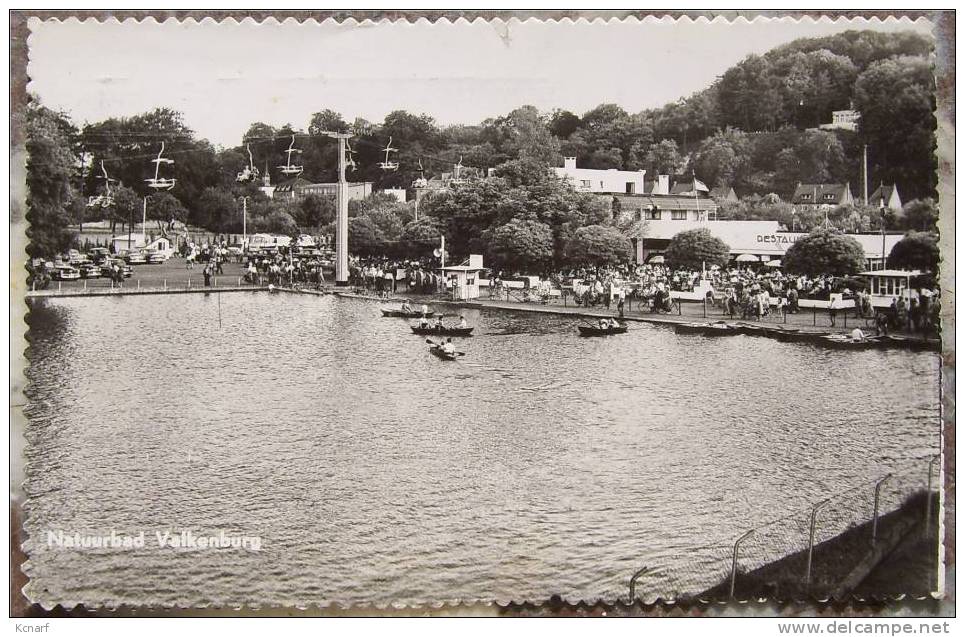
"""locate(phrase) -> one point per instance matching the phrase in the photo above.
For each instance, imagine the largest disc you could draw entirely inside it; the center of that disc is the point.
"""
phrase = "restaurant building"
(752, 241)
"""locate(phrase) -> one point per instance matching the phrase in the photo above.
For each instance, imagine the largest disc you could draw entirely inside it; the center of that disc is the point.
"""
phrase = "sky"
(225, 76)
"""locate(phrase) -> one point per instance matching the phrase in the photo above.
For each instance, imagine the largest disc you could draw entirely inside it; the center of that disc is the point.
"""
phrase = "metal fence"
(790, 545)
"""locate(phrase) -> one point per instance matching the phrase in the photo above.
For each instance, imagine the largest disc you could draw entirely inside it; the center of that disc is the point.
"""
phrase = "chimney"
(662, 187)
(569, 163)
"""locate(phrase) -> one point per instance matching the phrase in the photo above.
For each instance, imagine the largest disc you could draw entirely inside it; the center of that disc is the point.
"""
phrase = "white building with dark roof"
(610, 181)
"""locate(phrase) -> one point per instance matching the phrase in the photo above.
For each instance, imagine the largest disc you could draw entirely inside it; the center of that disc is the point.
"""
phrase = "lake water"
(539, 463)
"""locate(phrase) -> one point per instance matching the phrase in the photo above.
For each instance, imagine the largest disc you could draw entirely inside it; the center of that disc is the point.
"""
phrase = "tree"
(920, 214)
(217, 210)
(563, 123)
(896, 98)
(664, 158)
(824, 252)
(315, 211)
(916, 251)
(521, 244)
(421, 236)
(165, 209)
(276, 221)
(598, 246)
(126, 204)
(363, 236)
(723, 159)
(523, 133)
(51, 170)
(695, 249)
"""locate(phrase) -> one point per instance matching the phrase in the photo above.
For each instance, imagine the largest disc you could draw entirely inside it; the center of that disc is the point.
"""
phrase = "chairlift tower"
(341, 219)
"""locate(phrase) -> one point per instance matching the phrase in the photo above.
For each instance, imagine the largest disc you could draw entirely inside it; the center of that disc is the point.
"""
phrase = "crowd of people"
(386, 277)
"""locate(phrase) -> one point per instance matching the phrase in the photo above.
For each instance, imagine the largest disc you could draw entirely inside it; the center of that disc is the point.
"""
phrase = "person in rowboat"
(614, 323)
(604, 324)
(448, 347)
(462, 322)
(857, 335)
(439, 324)
(407, 308)
(425, 309)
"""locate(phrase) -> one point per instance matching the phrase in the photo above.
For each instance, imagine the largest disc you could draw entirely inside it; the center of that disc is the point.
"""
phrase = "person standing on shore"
(620, 305)
(207, 275)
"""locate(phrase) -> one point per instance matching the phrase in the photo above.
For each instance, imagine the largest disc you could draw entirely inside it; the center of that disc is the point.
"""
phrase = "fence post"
(931, 465)
(112, 285)
(874, 523)
(733, 567)
(138, 284)
(165, 284)
(845, 313)
(633, 583)
(60, 285)
(814, 522)
(85, 285)
(189, 283)
(814, 315)
(705, 307)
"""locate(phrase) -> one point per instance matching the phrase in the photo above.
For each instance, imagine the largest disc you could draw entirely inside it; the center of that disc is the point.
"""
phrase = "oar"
(434, 344)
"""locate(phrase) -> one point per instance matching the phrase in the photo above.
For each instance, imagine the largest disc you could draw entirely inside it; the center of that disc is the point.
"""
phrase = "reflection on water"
(540, 463)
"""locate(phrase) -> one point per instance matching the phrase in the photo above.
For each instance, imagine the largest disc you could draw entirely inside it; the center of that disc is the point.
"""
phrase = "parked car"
(75, 257)
(99, 256)
(64, 272)
(133, 257)
(154, 257)
(90, 271)
(125, 268)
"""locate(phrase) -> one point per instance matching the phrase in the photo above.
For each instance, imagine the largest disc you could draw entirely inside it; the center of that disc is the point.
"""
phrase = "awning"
(747, 258)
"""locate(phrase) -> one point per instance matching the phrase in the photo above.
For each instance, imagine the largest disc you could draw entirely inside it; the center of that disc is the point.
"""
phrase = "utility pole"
(341, 223)
(244, 219)
(865, 174)
(144, 221)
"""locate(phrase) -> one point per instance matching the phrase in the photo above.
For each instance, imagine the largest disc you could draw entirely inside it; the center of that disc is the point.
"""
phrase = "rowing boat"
(706, 329)
(840, 341)
(442, 331)
(797, 336)
(401, 314)
(750, 329)
(437, 351)
(592, 330)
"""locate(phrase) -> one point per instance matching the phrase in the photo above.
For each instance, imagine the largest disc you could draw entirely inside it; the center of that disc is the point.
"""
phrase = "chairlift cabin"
(350, 157)
(105, 200)
(289, 168)
(421, 181)
(457, 178)
(160, 183)
(389, 165)
(249, 172)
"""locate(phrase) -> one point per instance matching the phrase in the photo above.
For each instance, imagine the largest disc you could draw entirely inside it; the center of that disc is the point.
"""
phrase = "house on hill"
(886, 197)
(821, 196)
(628, 182)
(690, 187)
(300, 187)
(723, 194)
